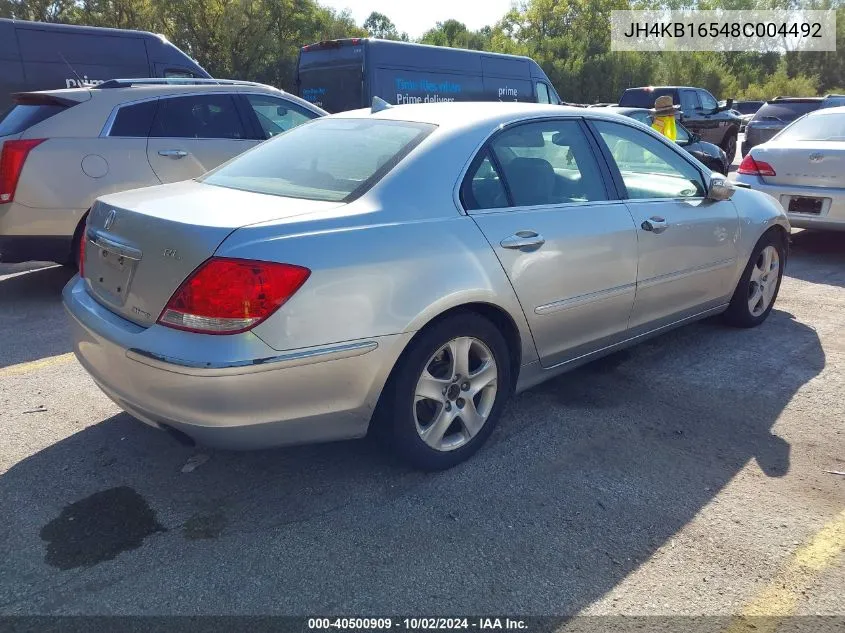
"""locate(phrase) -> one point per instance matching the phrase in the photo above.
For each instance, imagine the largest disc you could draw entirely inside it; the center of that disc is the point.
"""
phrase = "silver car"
(403, 272)
(803, 167)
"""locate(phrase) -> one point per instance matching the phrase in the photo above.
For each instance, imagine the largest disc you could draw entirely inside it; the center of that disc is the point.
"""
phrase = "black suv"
(700, 112)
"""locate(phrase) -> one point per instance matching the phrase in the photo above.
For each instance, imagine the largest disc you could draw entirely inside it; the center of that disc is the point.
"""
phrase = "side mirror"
(720, 189)
(730, 104)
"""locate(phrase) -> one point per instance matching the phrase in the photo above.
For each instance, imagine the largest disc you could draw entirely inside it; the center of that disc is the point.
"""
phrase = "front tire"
(758, 287)
(730, 147)
(447, 392)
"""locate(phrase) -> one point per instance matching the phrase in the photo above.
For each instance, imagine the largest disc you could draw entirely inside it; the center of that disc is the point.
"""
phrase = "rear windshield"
(785, 110)
(642, 98)
(19, 118)
(747, 107)
(326, 159)
(818, 127)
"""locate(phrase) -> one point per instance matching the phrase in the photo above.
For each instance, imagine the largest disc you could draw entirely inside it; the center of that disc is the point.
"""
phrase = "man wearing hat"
(664, 117)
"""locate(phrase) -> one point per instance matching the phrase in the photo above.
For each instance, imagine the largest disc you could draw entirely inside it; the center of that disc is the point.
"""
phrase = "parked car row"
(775, 115)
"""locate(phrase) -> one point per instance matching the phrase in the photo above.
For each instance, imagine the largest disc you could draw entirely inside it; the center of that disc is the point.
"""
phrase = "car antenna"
(79, 82)
(379, 104)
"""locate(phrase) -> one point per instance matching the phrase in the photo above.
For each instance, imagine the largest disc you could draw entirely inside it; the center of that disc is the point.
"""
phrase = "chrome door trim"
(296, 358)
(580, 300)
(687, 272)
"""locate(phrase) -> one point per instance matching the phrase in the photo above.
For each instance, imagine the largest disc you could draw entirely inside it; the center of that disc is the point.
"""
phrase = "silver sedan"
(403, 272)
(803, 167)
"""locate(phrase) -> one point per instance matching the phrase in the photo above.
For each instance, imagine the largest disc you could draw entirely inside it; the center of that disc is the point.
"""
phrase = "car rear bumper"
(832, 216)
(241, 394)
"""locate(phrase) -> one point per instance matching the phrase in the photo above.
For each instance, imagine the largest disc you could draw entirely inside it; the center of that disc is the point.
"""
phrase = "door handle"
(655, 224)
(175, 154)
(523, 239)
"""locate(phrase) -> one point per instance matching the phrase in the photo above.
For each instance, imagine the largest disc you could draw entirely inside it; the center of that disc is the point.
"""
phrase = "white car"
(62, 149)
(803, 167)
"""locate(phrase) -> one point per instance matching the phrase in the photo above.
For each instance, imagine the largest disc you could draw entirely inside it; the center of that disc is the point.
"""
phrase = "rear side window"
(689, 102)
(134, 120)
(19, 118)
(543, 93)
(198, 116)
(785, 111)
(328, 159)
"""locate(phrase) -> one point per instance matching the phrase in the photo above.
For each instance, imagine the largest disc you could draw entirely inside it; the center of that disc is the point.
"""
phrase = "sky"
(417, 16)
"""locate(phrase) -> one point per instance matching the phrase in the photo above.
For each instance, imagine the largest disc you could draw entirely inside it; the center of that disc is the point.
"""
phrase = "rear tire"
(446, 393)
(758, 287)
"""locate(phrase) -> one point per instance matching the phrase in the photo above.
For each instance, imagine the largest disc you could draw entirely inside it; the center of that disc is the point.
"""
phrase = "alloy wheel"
(764, 281)
(455, 393)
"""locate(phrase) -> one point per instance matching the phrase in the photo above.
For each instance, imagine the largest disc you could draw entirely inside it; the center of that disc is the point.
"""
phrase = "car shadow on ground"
(585, 478)
(33, 324)
(817, 257)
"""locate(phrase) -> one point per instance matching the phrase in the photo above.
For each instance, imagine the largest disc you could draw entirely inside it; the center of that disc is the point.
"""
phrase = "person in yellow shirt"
(664, 117)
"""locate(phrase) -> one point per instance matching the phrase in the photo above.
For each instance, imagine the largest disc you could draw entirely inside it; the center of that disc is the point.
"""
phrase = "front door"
(687, 243)
(539, 197)
(193, 134)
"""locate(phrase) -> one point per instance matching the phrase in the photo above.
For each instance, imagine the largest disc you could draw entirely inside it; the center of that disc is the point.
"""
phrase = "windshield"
(327, 159)
(748, 107)
(820, 127)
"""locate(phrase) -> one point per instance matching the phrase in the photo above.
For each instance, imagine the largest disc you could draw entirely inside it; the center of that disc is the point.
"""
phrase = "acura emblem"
(816, 157)
(109, 219)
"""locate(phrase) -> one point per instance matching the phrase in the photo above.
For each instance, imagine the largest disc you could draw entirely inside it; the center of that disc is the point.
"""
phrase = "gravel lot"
(681, 477)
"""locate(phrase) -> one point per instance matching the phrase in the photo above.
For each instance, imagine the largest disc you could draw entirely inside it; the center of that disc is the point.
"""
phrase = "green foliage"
(570, 39)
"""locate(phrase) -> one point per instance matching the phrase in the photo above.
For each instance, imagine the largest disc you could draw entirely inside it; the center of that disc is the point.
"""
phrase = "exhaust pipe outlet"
(183, 438)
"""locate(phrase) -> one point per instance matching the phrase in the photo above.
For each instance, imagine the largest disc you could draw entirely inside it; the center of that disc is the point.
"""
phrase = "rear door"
(539, 196)
(331, 75)
(192, 134)
(687, 243)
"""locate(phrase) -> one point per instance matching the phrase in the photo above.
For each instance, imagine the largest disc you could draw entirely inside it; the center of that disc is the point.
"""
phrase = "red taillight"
(81, 262)
(12, 158)
(227, 296)
(751, 167)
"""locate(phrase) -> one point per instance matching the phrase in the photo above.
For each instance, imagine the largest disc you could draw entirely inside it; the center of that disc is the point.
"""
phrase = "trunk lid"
(142, 244)
(804, 163)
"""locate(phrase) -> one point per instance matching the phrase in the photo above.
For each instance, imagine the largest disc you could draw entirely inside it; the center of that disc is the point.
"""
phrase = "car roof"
(826, 111)
(664, 88)
(142, 89)
(467, 114)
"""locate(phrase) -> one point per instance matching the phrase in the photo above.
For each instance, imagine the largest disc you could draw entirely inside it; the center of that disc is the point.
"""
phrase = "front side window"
(543, 93)
(649, 167)
(198, 116)
(544, 163)
(708, 101)
(328, 159)
(277, 115)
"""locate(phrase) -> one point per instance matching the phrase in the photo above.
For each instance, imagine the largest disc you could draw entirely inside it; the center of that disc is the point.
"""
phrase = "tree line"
(259, 40)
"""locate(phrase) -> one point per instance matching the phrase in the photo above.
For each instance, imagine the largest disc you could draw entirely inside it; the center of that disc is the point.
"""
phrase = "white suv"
(62, 149)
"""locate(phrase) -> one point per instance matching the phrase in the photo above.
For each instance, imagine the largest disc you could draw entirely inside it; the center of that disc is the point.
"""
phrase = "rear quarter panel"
(378, 278)
(73, 172)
